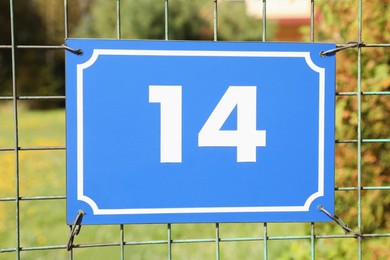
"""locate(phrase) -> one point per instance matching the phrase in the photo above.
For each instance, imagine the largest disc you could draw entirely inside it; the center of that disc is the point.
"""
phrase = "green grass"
(42, 223)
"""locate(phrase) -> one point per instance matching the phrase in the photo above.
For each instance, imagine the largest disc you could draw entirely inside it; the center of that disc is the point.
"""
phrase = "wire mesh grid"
(172, 241)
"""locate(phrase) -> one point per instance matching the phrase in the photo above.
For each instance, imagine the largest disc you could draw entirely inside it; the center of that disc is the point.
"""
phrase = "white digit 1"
(169, 98)
(246, 138)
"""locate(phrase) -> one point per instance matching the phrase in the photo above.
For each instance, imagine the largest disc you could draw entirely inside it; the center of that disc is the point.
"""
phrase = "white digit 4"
(246, 138)
(170, 99)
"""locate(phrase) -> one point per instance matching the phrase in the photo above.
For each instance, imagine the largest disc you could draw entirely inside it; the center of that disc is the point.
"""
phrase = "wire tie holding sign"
(75, 229)
(340, 47)
(75, 51)
(341, 223)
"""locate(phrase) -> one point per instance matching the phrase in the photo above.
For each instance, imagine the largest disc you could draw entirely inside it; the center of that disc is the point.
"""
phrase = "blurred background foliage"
(340, 25)
(337, 21)
(41, 72)
(40, 22)
(188, 20)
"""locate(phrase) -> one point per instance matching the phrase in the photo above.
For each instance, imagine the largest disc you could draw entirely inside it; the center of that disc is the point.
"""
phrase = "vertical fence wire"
(265, 237)
(359, 127)
(66, 30)
(312, 241)
(264, 20)
(311, 20)
(66, 36)
(118, 19)
(217, 239)
(169, 227)
(122, 241)
(166, 19)
(215, 20)
(16, 130)
(265, 240)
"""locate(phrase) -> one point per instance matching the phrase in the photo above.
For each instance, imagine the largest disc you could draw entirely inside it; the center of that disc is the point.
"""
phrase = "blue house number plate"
(178, 132)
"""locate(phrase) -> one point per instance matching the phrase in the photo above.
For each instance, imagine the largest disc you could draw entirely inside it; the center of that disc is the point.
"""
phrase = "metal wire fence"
(172, 241)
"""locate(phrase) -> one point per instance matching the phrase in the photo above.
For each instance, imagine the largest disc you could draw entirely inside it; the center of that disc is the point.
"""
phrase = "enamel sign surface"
(177, 132)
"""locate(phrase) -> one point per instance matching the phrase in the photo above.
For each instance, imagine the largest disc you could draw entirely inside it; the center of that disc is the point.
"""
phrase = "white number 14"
(246, 138)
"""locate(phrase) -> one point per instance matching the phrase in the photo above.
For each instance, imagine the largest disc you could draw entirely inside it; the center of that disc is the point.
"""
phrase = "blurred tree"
(24, 13)
(188, 20)
(40, 22)
(38, 72)
(338, 22)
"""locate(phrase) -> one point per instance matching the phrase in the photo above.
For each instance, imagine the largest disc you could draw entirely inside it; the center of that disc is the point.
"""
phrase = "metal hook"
(342, 47)
(341, 223)
(75, 229)
(75, 51)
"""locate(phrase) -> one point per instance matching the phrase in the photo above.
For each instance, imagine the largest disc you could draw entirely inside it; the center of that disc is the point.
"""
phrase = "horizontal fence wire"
(200, 240)
(263, 237)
